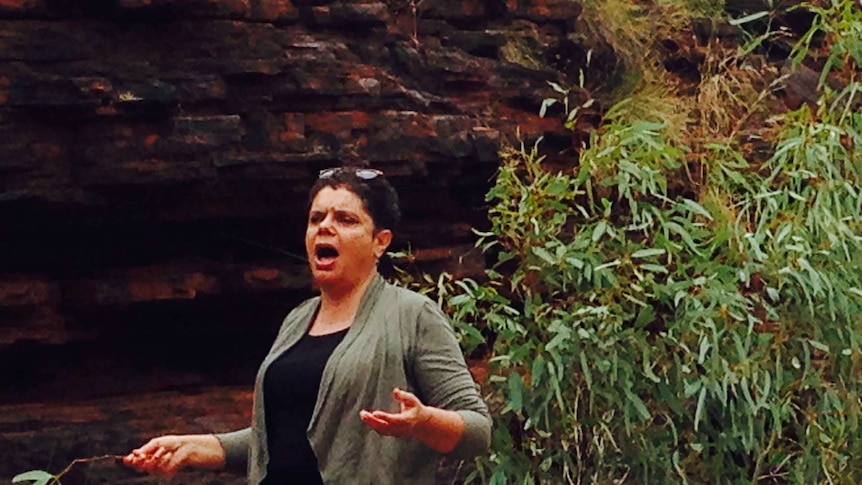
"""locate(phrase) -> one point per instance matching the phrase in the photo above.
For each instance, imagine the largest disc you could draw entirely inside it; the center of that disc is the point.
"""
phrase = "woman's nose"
(326, 222)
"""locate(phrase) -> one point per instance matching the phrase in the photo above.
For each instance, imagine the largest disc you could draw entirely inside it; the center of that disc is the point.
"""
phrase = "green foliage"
(643, 334)
(36, 477)
(41, 477)
(839, 21)
(652, 330)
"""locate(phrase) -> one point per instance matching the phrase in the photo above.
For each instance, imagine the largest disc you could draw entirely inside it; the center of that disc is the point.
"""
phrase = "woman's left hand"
(412, 413)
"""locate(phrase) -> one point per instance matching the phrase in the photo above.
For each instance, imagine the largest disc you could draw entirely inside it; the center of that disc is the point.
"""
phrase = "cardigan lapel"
(360, 321)
(291, 332)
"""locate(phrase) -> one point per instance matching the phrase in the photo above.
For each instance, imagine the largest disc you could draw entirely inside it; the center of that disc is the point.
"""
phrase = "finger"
(378, 424)
(149, 447)
(176, 462)
(403, 395)
(155, 463)
(384, 429)
(133, 461)
(390, 424)
(146, 466)
(384, 416)
(375, 416)
(162, 467)
(408, 400)
(135, 457)
(158, 454)
(392, 419)
(162, 463)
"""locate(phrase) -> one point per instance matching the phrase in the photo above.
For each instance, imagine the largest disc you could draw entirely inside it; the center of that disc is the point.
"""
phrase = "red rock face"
(109, 426)
(155, 157)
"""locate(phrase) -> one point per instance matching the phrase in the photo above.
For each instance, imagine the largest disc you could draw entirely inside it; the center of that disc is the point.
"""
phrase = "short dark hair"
(376, 193)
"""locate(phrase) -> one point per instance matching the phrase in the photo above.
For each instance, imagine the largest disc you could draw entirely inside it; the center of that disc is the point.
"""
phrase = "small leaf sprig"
(41, 477)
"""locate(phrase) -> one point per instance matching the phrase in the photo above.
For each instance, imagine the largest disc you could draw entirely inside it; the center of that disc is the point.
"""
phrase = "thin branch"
(93, 459)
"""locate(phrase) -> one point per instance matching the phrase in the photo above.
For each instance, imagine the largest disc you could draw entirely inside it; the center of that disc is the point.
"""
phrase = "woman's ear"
(382, 239)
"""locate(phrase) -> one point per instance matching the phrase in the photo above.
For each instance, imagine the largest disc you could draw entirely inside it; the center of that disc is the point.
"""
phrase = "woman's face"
(340, 240)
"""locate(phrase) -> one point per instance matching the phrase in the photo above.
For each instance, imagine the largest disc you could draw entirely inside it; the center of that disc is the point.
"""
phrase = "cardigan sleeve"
(236, 446)
(445, 382)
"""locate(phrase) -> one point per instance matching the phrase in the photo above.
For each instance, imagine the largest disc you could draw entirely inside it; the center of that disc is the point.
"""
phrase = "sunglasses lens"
(363, 173)
(327, 172)
(367, 173)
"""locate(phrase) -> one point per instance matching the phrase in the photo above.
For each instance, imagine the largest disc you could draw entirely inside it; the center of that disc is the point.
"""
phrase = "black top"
(290, 393)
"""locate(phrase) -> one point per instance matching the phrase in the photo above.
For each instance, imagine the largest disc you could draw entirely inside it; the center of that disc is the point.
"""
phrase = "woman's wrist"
(440, 429)
(218, 453)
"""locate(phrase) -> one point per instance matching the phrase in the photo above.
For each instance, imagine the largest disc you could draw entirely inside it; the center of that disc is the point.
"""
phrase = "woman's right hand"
(167, 455)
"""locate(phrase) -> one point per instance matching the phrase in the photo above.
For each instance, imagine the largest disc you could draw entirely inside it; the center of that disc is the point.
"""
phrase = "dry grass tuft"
(734, 93)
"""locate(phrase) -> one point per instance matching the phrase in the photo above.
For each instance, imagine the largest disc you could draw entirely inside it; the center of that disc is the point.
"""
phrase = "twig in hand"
(40, 477)
(76, 461)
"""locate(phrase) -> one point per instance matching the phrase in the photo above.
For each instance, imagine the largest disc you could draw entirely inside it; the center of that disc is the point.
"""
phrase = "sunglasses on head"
(363, 173)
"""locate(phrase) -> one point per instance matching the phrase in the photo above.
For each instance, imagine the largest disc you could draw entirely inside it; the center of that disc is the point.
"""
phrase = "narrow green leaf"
(678, 297)
(683, 234)
(538, 371)
(558, 392)
(639, 405)
(599, 230)
(698, 412)
(691, 388)
(647, 367)
(556, 87)
(38, 477)
(516, 392)
(696, 208)
(783, 233)
(767, 387)
(646, 253)
(855, 51)
(749, 18)
(655, 268)
(704, 348)
(645, 316)
(557, 187)
(546, 103)
(819, 346)
(585, 368)
(461, 299)
(558, 339)
(611, 264)
(772, 293)
(544, 254)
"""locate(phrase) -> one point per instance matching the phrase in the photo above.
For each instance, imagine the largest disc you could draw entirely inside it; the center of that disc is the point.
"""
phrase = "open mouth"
(325, 253)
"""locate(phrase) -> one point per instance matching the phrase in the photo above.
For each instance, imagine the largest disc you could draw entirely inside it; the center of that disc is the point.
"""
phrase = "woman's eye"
(347, 219)
(315, 218)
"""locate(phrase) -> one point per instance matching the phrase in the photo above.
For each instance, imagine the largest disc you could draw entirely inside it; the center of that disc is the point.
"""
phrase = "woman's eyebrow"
(339, 212)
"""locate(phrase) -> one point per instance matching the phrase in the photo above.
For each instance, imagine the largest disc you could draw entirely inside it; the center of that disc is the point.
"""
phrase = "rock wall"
(155, 157)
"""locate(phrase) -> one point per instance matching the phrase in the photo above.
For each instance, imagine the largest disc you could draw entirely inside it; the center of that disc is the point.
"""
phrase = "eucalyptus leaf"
(638, 404)
(648, 252)
(36, 477)
(516, 392)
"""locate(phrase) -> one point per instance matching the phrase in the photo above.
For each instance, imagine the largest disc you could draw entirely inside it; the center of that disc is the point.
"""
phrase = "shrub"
(649, 329)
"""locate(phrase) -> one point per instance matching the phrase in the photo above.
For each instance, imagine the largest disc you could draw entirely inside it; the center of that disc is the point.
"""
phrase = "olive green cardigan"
(398, 339)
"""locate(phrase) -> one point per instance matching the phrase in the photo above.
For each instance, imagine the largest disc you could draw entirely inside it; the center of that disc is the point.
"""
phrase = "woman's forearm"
(167, 455)
(442, 430)
(235, 445)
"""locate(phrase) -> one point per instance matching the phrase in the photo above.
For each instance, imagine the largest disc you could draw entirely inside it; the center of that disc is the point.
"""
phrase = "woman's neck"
(338, 307)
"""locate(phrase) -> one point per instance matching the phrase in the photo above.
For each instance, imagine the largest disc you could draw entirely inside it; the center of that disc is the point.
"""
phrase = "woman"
(364, 384)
